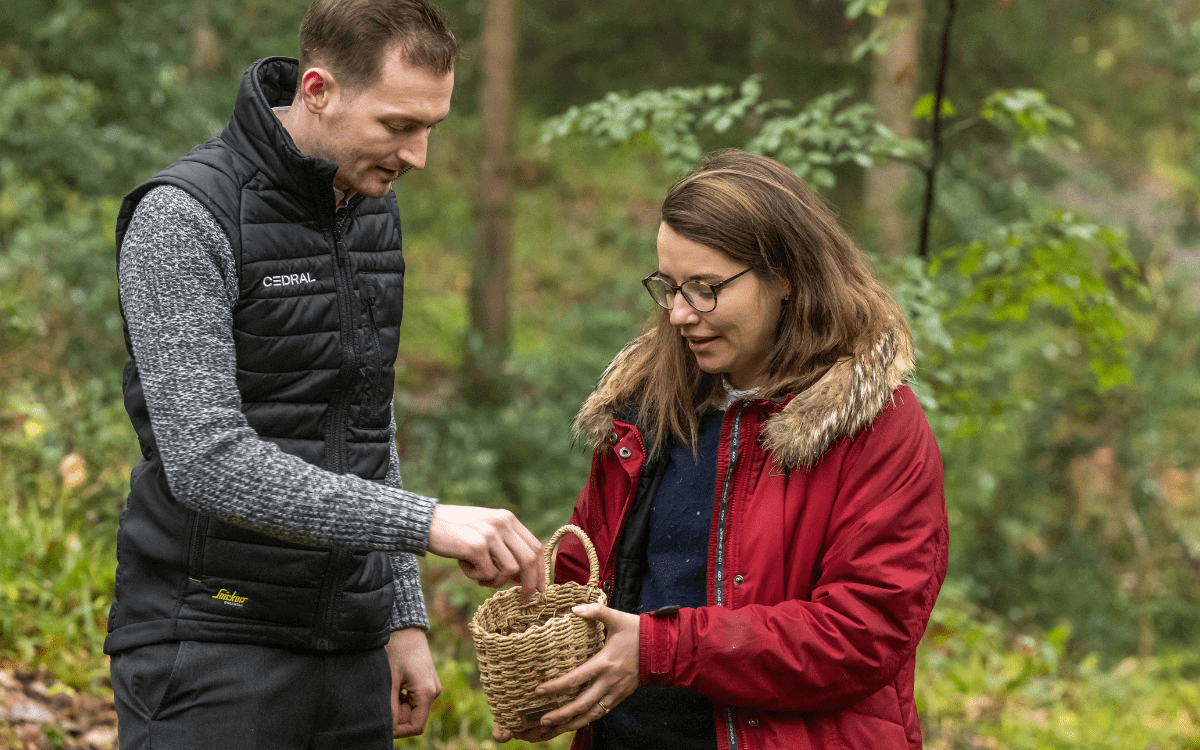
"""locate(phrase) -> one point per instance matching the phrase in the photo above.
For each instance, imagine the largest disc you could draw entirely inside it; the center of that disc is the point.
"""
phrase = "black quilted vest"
(316, 328)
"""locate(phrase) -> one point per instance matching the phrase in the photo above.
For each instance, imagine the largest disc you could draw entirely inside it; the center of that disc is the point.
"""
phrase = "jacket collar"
(846, 399)
(257, 134)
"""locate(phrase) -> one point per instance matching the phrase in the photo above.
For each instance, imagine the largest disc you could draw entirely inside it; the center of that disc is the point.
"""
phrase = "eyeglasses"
(701, 296)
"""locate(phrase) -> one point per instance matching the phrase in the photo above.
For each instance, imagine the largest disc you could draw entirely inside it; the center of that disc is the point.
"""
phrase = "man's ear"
(317, 89)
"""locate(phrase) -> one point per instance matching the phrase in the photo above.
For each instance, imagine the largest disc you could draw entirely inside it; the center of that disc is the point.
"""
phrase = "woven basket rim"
(508, 597)
(478, 630)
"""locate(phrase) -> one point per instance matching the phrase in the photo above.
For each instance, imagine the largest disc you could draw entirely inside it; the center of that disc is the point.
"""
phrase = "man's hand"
(415, 681)
(491, 546)
(609, 676)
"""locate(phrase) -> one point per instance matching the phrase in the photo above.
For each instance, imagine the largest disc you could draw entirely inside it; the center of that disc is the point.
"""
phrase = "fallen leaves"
(38, 712)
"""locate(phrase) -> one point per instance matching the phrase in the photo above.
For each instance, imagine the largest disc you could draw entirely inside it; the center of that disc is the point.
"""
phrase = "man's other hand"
(415, 681)
(491, 546)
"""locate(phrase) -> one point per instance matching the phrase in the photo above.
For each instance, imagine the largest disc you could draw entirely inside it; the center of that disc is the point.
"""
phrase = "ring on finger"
(603, 707)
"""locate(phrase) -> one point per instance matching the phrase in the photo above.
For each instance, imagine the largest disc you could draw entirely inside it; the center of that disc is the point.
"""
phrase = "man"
(267, 595)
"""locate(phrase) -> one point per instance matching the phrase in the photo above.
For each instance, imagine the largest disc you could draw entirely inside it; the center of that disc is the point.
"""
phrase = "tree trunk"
(489, 337)
(894, 78)
(205, 45)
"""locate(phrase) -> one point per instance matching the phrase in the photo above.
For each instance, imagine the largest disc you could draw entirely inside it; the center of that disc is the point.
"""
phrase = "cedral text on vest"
(288, 279)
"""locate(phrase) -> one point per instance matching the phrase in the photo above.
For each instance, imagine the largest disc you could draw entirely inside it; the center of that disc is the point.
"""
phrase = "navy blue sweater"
(680, 522)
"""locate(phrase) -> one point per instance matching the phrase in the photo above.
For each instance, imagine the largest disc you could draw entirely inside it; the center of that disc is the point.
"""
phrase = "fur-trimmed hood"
(846, 399)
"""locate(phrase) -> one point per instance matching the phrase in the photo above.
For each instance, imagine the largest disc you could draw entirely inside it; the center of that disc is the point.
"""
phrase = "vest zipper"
(341, 404)
(334, 572)
(338, 421)
(199, 536)
(719, 588)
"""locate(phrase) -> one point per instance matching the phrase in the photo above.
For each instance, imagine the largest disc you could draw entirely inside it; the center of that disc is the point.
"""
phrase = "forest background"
(1051, 279)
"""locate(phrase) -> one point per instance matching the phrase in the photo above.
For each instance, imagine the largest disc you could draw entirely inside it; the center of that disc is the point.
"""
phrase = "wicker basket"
(511, 665)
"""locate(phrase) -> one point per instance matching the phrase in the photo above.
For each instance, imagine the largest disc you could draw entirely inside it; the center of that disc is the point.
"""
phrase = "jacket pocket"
(874, 722)
(143, 676)
(376, 396)
(195, 563)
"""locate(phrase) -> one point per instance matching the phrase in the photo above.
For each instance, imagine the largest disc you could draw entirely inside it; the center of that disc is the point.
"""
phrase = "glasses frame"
(679, 290)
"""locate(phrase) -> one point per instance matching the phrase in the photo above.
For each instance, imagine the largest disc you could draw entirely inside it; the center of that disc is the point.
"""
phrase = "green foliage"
(1027, 119)
(57, 591)
(877, 40)
(685, 123)
(520, 456)
(62, 469)
(1041, 268)
(1068, 498)
(50, 130)
(981, 685)
(856, 8)
(673, 118)
(923, 109)
(826, 133)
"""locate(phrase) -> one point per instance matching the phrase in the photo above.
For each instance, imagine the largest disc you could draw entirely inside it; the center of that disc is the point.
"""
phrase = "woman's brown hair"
(757, 211)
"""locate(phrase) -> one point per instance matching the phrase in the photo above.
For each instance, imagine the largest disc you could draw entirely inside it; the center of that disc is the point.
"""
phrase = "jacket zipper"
(719, 589)
(340, 416)
(199, 536)
(341, 405)
(350, 353)
(333, 571)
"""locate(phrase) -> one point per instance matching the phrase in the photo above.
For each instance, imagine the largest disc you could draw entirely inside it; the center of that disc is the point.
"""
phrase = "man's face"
(376, 134)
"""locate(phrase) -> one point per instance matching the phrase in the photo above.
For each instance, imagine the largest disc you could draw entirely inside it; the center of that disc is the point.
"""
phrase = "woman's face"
(736, 337)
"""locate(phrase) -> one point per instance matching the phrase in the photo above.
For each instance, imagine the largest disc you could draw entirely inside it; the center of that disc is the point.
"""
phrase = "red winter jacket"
(822, 573)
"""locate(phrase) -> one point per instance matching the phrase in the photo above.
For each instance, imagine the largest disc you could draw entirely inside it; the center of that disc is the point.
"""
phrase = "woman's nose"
(682, 313)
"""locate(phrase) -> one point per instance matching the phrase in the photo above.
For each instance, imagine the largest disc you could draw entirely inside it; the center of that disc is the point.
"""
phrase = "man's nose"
(413, 151)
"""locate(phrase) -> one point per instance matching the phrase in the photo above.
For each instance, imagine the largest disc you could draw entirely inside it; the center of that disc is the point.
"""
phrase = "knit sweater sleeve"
(178, 286)
(408, 608)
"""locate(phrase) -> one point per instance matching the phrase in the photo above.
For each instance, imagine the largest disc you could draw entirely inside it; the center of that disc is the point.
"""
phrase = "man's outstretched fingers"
(479, 568)
(532, 577)
(482, 538)
(504, 558)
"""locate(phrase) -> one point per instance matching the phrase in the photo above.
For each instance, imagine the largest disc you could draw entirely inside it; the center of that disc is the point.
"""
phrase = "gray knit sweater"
(179, 285)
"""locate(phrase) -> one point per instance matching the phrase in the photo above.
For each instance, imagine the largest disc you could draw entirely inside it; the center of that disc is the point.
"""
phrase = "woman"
(766, 496)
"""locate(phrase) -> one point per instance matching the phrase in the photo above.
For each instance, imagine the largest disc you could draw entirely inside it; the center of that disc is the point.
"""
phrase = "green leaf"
(875, 43)
(923, 109)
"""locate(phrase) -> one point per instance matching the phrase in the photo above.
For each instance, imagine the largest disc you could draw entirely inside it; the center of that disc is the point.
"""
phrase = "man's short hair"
(350, 37)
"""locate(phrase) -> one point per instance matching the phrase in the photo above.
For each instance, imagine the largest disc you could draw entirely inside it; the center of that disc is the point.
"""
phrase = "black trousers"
(194, 695)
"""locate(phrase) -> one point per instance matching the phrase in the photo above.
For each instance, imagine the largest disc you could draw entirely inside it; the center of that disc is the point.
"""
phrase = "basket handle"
(593, 561)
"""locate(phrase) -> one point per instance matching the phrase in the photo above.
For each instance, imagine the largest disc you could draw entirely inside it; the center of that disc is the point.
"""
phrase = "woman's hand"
(612, 674)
